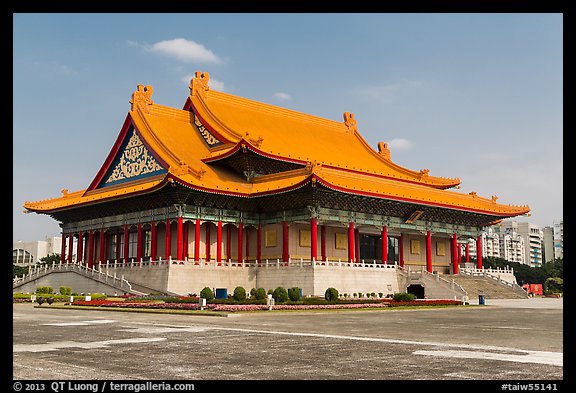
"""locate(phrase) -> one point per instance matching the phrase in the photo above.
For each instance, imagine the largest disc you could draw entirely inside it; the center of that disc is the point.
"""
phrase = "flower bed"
(258, 307)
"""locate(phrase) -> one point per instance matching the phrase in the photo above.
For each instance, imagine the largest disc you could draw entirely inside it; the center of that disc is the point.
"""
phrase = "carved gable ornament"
(134, 161)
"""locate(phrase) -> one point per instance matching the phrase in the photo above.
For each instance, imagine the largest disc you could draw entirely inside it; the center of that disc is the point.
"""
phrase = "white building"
(558, 239)
(512, 246)
(29, 253)
(490, 244)
(533, 238)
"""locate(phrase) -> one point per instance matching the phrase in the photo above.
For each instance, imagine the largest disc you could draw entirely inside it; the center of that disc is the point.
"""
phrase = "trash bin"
(481, 299)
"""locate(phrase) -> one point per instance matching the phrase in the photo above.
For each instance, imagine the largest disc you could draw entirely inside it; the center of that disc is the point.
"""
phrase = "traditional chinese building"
(239, 183)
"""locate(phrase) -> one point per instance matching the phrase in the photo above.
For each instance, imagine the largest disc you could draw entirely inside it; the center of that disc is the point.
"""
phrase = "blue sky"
(478, 96)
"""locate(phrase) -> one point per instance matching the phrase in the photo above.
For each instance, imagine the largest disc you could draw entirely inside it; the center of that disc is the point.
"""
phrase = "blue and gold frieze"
(208, 138)
(134, 161)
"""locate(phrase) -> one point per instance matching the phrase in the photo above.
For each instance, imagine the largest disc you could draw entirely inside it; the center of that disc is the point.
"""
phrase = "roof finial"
(200, 82)
(350, 122)
(142, 96)
(383, 150)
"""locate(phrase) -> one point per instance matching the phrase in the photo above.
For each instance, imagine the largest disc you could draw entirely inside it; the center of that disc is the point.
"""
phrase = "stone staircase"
(489, 287)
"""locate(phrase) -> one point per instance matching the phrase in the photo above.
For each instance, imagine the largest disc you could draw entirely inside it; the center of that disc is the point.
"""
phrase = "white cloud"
(184, 50)
(399, 144)
(215, 84)
(282, 96)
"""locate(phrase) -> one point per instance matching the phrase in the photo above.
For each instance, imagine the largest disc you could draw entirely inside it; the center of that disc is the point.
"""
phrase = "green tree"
(554, 284)
(331, 294)
(280, 294)
(207, 293)
(19, 270)
(50, 259)
(239, 293)
(294, 294)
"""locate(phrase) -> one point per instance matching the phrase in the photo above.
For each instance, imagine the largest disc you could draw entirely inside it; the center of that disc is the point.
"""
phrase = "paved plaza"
(504, 340)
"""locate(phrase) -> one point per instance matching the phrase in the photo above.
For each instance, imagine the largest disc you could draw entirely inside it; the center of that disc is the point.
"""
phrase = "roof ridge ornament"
(199, 83)
(384, 151)
(350, 122)
(142, 97)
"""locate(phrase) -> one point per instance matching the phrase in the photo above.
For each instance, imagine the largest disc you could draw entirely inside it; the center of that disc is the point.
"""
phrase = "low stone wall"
(312, 279)
(189, 278)
(78, 283)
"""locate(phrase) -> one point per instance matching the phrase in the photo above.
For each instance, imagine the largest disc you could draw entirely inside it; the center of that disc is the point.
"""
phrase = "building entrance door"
(371, 248)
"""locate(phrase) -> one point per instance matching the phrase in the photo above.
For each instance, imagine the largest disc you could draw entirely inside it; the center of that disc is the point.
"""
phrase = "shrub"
(260, 294)
(331, 294)
(65, 290)
(253, 292)
(372, 294)
(239, 293)
(403, 297)
(280, 294)
(380, 294)
(207, 293)
(45, 289)
(270, 292)
(360, 294)
(294, 294)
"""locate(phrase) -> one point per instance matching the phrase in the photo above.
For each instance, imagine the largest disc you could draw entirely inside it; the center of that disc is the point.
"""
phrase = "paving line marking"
(81, 323)
(540, 357)
(523, 356)
(56, 345)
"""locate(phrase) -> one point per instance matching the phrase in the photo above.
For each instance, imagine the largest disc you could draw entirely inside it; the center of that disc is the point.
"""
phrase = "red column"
(126, 243)
(102, 246)
(401, 250)
(197, 240)
(208, 256)
(185, 240)
(153, 247)
(479, 252)
(70, 247)
(459, 254)
(80, 247)
(63, 249)
(247, 234)
(229, 242)
(323, 242)
(455, 254)
(259, 243)
(467, 251)
(240, 232)
(351, 246)
(428, 251)
(167, 239)
(384, 244)
(314, 239)
(285, 241)
(179, 239)
(139, 245)
(219, 242)
(357, 240)
(90, 248)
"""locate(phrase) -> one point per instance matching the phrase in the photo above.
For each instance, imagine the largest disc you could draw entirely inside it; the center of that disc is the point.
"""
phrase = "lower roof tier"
(311, 195)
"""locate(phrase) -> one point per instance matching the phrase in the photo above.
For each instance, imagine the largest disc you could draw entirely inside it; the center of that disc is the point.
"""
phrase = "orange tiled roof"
(178, 150)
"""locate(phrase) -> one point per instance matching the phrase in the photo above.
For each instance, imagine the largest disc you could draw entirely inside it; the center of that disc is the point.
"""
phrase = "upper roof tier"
(223, 144)
(295, 136)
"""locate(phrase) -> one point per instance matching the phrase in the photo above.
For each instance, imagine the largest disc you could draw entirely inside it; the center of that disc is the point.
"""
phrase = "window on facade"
(20, 257)
(132, 245)
(112, 244)
(147, 244)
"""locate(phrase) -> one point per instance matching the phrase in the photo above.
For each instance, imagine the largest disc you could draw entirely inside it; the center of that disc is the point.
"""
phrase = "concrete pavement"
(512, 340)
